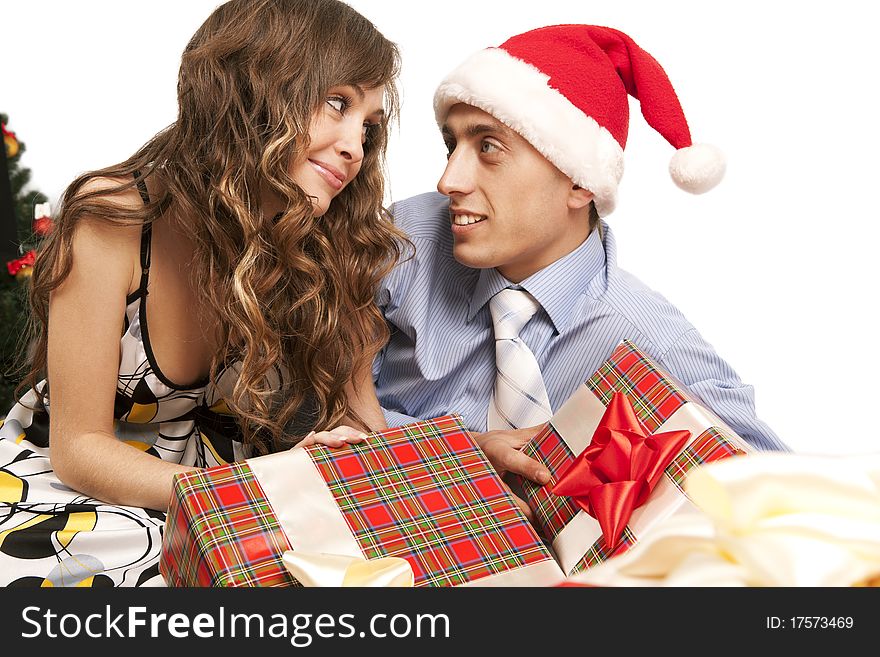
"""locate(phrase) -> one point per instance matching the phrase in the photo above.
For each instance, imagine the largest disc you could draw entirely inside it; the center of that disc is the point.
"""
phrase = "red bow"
(620, 467)
(27, 260)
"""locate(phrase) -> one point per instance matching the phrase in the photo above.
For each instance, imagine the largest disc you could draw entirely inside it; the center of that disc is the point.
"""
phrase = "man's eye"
(488, 147)
(450, 146)
(338, 103)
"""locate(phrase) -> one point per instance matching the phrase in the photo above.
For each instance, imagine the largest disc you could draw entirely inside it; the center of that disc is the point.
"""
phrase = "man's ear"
(579, 198)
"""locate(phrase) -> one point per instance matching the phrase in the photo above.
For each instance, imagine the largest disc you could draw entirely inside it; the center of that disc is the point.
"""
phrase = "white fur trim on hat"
(517, 94)
(697, 168)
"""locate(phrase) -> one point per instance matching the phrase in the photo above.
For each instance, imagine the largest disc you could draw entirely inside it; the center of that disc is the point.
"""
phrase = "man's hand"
(502, 449)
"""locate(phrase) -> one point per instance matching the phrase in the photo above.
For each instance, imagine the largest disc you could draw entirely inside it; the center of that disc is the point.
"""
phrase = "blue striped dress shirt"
(441, 354)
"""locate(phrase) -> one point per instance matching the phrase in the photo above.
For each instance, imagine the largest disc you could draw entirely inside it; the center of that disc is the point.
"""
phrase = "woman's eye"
(368, 130)
(488, 147)
(338, 103)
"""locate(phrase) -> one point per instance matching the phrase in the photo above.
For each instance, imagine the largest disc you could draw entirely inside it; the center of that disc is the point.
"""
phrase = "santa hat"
(564, 89)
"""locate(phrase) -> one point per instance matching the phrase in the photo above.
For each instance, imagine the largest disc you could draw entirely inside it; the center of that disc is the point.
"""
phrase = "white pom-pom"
(698, 168)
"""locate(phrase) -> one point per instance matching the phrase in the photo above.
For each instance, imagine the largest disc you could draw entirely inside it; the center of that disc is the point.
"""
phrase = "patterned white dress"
(51, 535)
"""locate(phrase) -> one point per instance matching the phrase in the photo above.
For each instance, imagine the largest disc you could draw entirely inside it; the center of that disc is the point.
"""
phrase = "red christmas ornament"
(43, 226)
(10, 141)
(19, 264)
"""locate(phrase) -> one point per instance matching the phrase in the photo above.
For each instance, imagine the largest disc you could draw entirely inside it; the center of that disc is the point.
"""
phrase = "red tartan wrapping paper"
(661, 404)
(423, 492)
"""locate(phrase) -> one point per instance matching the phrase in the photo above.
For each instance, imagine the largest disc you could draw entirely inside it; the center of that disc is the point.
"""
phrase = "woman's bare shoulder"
(103, 237)
(120, 192)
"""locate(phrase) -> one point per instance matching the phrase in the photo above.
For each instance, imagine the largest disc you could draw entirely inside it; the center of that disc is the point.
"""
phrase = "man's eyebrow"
(476, 129)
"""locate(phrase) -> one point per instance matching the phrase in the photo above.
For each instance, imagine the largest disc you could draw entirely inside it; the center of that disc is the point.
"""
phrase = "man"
(535, 131)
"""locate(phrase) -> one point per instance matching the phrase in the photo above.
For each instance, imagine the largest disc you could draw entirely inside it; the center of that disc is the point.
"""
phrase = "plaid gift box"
(423, 492)
(661, 404)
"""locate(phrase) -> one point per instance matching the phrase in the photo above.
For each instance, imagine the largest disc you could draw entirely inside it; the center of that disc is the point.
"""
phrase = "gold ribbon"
(322, 569)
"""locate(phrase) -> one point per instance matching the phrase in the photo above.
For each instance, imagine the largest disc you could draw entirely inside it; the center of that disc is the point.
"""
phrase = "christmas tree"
(24, 221)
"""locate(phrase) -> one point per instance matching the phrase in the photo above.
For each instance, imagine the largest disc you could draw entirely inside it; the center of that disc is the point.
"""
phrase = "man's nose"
(458, 176)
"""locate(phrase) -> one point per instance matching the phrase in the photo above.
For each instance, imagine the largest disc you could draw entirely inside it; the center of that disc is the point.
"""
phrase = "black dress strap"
(146, 237)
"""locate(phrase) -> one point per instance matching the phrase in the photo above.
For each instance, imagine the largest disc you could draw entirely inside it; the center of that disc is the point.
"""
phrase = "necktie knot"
(511, 311)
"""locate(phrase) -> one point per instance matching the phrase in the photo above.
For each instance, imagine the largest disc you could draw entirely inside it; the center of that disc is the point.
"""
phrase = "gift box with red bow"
(423, 492)
(619, 450)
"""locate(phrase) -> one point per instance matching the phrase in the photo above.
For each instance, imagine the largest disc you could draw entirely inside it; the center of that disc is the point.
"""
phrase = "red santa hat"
(564, 89)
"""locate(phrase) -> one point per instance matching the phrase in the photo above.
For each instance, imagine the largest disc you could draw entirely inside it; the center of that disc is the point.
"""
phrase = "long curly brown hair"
(293, 294)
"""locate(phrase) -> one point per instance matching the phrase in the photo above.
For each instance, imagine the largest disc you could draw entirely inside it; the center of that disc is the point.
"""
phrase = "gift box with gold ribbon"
(619, 450)
(415, 505)
(773, 519)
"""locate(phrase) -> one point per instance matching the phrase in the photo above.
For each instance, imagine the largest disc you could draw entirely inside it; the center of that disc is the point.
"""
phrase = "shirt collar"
(557, 287)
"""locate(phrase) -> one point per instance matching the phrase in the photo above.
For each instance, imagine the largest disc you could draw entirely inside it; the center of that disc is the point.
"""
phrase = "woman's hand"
(341, 435)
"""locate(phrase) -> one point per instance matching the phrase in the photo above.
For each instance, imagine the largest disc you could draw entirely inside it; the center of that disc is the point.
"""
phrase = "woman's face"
(337, 135)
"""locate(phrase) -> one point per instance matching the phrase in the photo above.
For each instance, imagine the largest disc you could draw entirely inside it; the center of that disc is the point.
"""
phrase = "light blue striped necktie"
(520, 398)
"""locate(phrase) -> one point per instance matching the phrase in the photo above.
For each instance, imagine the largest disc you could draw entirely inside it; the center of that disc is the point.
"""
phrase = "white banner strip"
(305, 508)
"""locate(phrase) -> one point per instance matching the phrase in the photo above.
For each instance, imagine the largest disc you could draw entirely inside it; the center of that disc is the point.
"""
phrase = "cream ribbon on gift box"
(576, 422)
(314, 524)
(774, 519)
(338, 570)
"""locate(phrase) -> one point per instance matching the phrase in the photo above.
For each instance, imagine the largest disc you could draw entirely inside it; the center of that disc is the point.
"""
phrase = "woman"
(250, 233)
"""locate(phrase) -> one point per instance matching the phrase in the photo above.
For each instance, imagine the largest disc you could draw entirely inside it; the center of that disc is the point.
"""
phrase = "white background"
(776, 267)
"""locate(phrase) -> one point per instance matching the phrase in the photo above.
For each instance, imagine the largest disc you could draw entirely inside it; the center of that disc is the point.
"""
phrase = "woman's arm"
(362, 398)
(85, 325)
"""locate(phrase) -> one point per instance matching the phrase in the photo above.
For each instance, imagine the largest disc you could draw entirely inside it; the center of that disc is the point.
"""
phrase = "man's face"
(509, 207)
